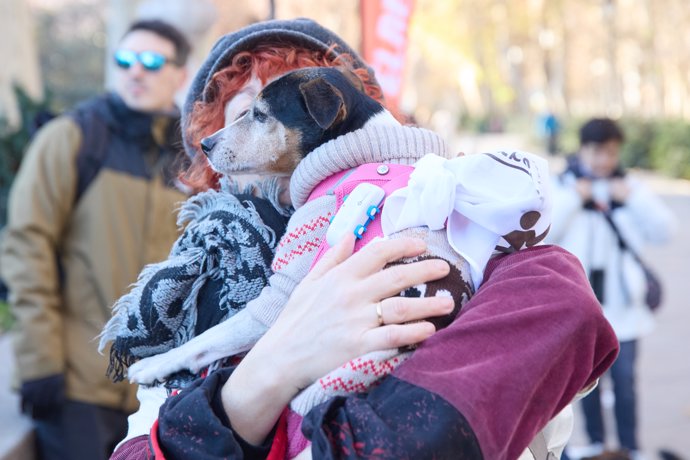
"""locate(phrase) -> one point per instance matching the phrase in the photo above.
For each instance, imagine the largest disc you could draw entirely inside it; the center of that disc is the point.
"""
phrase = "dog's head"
(288, 119)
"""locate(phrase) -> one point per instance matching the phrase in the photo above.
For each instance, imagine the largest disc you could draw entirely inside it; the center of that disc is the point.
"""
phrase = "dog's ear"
(324, 102)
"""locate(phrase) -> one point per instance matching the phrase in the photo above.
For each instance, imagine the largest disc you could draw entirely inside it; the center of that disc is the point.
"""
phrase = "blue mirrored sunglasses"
(150, 60)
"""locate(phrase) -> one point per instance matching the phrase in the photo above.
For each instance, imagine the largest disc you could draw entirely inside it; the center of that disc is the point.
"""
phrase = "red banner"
(384, 43)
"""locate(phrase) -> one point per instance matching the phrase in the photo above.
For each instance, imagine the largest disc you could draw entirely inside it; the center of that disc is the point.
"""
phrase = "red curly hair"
(265, 62)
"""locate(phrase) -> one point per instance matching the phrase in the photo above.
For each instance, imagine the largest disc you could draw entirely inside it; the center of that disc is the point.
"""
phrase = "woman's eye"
(243, 113)
(259, 116)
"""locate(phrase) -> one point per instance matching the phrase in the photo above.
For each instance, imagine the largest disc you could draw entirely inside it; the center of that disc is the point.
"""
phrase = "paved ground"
(664, 368)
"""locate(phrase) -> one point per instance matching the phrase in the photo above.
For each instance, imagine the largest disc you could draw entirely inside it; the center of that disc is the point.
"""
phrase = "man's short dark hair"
(167, 31)
(600, 131)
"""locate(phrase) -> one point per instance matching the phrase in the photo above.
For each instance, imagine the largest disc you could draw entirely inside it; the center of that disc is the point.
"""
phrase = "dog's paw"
(152, 369)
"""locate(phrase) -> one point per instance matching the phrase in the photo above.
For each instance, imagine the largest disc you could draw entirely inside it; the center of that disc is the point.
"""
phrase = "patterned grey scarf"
(220, 262)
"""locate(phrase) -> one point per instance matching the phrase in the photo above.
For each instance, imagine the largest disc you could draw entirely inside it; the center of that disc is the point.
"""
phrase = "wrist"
(255, 395)
(259, 376)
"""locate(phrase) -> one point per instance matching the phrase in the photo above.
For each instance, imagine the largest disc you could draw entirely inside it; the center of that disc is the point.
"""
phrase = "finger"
(397, 310)
(397, 335)
(377, 254)
(396, 278)
(333, 257)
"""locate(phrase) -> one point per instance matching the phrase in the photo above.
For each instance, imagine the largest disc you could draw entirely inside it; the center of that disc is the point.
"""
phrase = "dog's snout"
(207, 144)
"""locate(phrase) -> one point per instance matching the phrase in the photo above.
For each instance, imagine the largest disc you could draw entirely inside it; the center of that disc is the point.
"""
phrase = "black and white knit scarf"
(220, 262)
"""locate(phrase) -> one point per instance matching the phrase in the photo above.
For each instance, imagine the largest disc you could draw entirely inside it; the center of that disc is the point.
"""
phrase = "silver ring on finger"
(379, 313)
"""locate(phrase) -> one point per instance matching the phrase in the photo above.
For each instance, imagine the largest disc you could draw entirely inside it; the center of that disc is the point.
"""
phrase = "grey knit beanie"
(301, 32)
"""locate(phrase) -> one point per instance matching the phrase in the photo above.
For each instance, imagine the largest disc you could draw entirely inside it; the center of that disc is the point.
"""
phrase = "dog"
(289, 118)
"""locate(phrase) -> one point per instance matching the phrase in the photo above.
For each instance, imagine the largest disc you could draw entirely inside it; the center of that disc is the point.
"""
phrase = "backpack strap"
(390, 177)
(92, 151)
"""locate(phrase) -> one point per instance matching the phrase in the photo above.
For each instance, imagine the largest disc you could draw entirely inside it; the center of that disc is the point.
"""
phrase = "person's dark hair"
(600, 131)
(167, 31)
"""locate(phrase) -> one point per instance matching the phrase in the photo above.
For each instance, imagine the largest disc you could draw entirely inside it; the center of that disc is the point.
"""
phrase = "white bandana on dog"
(496, 201)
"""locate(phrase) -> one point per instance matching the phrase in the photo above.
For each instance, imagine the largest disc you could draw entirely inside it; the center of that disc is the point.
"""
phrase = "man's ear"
(324, 102)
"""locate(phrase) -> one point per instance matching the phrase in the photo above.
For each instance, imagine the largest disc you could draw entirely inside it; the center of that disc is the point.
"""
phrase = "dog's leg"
(355, 376)
(235, 335)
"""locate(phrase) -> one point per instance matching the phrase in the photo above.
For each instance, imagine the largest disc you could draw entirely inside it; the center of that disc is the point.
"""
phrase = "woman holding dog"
(519, 352)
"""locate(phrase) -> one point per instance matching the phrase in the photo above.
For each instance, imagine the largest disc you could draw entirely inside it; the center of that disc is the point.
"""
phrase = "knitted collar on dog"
(371, 144)
(229, 239)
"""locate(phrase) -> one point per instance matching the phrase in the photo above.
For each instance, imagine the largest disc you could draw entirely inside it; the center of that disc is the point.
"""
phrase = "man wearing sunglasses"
(92, 204)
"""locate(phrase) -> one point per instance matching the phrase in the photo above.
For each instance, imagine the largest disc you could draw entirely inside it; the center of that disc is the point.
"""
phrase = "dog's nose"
(207, 144)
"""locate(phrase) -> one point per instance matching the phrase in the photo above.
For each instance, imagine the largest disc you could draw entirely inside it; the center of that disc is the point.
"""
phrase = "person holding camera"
(604, 217)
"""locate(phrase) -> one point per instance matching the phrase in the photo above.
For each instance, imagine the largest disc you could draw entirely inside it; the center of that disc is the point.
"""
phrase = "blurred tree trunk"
(478, 30)
(650, 66)
(554, 41)
(19, 57)
(609, 16)
(120, 14)
(566, 44)
(513, 30)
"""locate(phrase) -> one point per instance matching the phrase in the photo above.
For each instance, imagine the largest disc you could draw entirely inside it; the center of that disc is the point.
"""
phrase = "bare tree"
(19, 56)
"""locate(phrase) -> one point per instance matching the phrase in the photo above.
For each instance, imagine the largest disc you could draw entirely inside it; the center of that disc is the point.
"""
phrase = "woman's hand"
(334, 309)
(330, 319)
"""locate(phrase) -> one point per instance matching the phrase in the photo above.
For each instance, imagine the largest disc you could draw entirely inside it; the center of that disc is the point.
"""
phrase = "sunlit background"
(471, 64)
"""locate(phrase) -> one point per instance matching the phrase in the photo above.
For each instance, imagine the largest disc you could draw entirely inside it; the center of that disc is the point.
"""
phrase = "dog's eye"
(243, 113)
(259, 116)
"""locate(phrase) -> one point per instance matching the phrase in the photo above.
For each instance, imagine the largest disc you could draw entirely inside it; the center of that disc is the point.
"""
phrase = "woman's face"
(236, 106)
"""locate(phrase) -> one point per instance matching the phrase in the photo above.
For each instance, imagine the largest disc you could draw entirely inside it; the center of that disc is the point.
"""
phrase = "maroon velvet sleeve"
(531, 337)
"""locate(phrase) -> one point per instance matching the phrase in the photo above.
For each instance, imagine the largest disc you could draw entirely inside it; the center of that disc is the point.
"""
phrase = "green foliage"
(6, 318)
(639, 138)
(670, 151)
(481, 124)
(13, 141)
(570, 137)
(662, 145)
